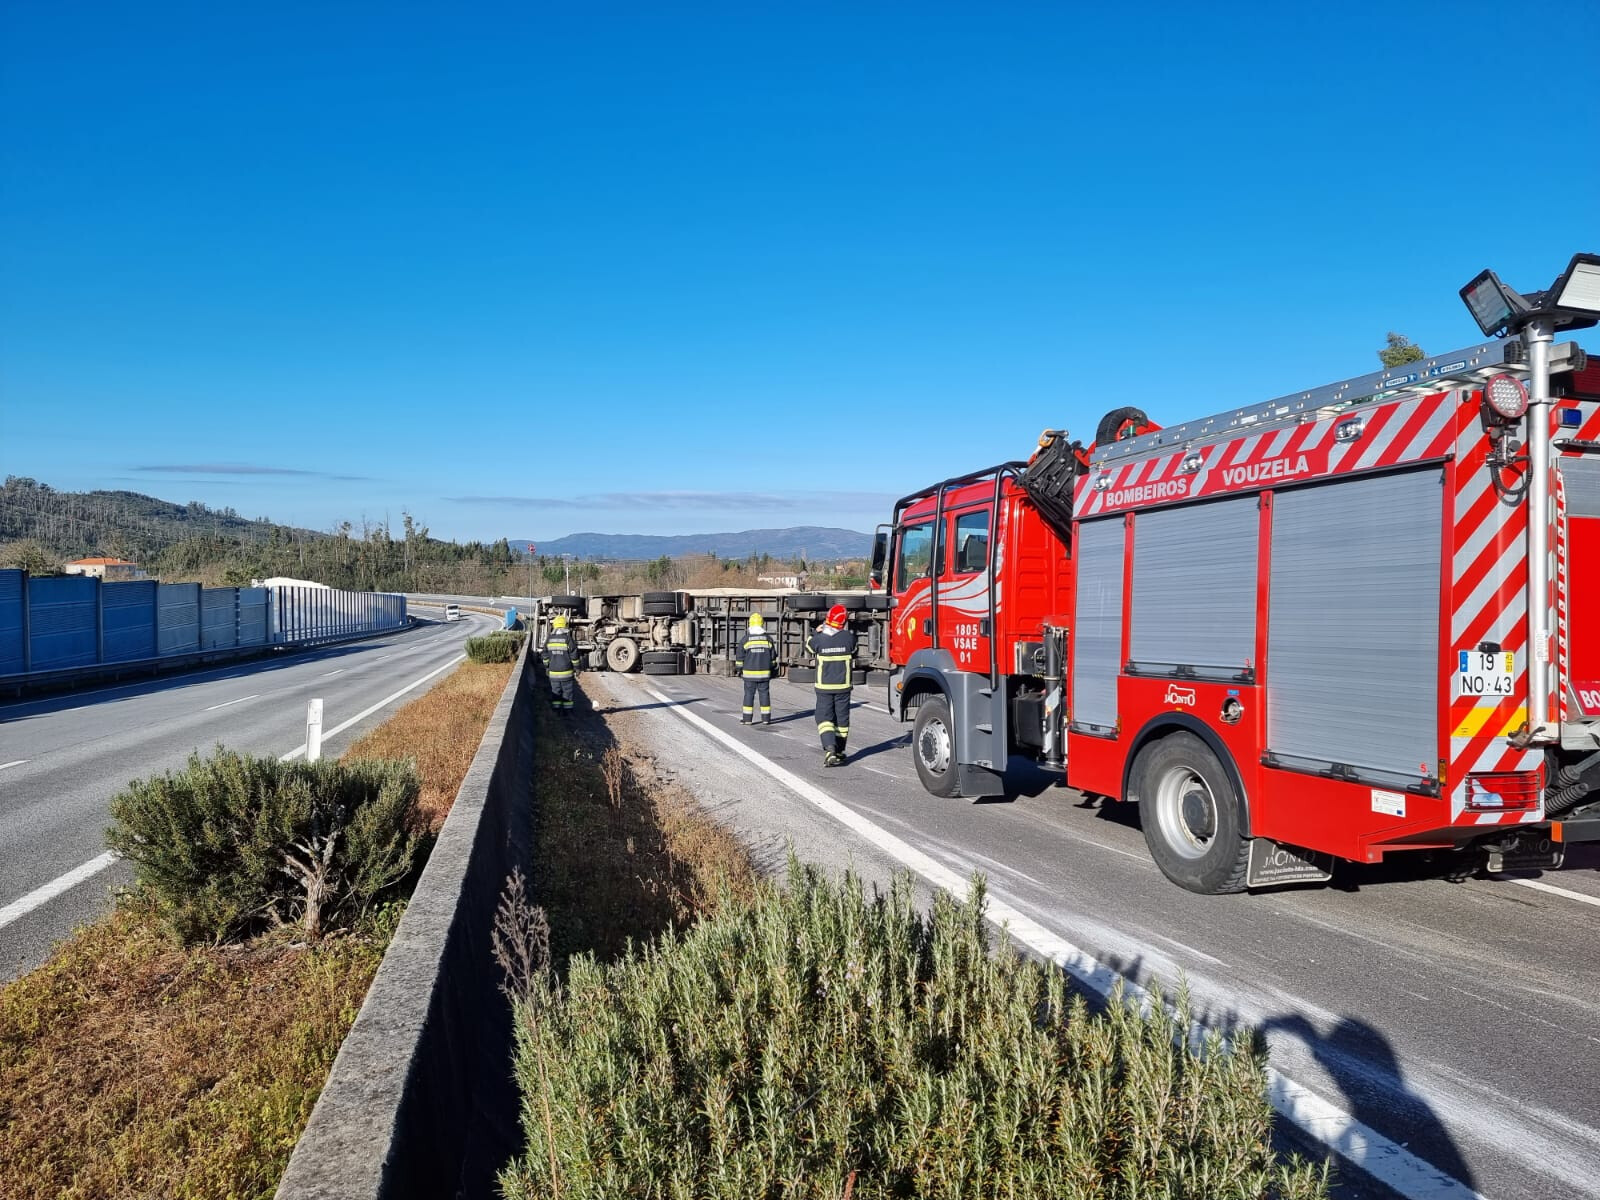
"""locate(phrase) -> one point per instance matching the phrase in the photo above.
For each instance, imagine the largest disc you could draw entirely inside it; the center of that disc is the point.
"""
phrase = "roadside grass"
(619, 857)
(131, 1066)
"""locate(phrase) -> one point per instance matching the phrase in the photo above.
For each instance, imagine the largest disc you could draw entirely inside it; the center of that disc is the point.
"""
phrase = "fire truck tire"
(662, 662)
(573, 603)
(933, 747)
(1191, 815)
(622, 654)
(661, 604)
(805, 602)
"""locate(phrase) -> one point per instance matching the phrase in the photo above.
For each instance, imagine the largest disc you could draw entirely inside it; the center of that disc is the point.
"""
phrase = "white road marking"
(881, 771)
(1322, 1121)
(16, 762)
(300, 750)
(331, 674)
(18, 909)
(226, 703)
(1540, 886)
(43, 895)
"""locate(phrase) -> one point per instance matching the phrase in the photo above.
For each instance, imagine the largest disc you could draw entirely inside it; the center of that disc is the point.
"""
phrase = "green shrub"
(780, 1049)
(501, 646)
(232, 844)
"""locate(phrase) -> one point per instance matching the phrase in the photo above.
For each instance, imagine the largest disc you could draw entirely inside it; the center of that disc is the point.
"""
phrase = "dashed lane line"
(228, 703)
(1320, 1120)
(15, 762)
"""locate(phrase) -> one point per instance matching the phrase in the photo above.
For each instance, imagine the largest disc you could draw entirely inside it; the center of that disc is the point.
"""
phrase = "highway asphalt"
(63, 757)
(1448, 1033)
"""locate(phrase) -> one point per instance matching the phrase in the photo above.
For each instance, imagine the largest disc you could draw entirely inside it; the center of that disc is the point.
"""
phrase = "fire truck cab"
(1339, 624)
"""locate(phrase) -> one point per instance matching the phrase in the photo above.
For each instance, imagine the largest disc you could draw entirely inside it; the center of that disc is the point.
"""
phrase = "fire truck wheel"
(933, 747)
(622, 654)
(1190, 813)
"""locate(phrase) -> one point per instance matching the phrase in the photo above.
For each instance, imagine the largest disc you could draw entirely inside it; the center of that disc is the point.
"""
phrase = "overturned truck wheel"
(662, 662)
(661, 604)
(622, 654)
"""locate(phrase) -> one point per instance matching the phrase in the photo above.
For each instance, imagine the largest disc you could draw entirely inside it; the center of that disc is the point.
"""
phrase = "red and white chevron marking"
(1390, 434)
(1562, 667)
(1489, 584)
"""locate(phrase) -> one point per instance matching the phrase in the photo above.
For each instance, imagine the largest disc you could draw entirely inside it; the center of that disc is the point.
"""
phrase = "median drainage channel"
(592, 993)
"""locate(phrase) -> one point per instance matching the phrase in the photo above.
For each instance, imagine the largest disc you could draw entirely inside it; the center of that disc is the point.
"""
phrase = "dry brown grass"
(440, 731)
(621, 855)
(130, 1067)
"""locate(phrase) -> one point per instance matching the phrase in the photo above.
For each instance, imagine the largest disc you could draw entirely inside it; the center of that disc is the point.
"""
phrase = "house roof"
(101, 562)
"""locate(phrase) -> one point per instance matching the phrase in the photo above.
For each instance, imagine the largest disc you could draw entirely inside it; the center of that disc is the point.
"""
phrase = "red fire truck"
(1344, 623)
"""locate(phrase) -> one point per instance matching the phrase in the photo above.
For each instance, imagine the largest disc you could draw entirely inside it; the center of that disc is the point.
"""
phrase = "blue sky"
(547, 268)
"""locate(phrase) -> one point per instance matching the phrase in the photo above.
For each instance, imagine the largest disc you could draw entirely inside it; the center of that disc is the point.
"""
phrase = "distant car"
(452, 612)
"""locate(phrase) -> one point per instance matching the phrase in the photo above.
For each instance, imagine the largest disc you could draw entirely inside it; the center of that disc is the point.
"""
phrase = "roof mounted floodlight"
(1492, 304)
(1572, 302)
(1578, 290)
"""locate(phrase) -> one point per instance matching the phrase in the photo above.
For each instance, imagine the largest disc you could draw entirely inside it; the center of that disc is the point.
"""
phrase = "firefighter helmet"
(755, 621)
(837, 616)
(559, 621)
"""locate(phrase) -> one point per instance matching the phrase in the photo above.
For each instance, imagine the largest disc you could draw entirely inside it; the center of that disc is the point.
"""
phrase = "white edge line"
(18, 909)
(1540, 886)
(15, 762)
(225, 703)
(1320, 1120)
(300, 750)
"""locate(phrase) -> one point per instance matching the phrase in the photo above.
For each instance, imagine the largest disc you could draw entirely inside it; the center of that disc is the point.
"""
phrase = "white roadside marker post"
(314, 730)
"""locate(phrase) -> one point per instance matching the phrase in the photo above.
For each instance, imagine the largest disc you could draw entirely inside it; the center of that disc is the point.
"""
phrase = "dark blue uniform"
(755, 665)
(561, 664)
(836, 651)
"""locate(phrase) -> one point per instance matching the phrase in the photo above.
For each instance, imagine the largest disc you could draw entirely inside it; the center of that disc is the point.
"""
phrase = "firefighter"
(755, 665)
(560, 663)
(835, 648)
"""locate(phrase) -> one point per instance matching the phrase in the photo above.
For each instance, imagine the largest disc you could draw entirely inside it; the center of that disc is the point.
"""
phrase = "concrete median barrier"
(420, 1101)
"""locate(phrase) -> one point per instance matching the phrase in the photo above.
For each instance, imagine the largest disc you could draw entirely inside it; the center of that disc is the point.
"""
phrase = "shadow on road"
(1362, 1063)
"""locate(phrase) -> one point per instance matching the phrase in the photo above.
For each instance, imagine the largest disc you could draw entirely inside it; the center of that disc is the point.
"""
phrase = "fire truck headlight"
(1506, 397)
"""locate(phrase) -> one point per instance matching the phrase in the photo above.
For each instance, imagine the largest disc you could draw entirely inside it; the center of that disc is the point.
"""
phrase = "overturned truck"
(698, 631)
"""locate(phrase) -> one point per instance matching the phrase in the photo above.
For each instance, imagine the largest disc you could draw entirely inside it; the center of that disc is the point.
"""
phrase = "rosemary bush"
(820, 1042)
(232, 844)
(498, 647)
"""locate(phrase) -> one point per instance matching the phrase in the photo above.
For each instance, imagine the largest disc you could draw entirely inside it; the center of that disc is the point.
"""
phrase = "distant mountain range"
(811, 542)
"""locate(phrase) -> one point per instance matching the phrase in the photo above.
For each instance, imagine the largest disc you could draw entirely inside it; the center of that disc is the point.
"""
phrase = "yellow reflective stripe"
(832, 687)
(826, 727)
(754, 674)
(834, 657)
(1472, 724)
(749, 708)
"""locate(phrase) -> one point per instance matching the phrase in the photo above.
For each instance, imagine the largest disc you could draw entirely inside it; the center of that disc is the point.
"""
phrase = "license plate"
(1484, 674)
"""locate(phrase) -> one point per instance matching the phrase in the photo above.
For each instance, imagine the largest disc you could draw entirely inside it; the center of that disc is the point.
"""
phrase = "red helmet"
(837, 616)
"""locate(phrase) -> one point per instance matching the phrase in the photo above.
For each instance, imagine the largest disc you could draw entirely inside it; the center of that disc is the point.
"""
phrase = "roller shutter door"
(1352, 672)
(1097, 625)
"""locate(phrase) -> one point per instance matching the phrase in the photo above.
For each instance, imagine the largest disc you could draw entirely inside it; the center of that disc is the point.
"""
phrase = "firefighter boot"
(838, 750)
